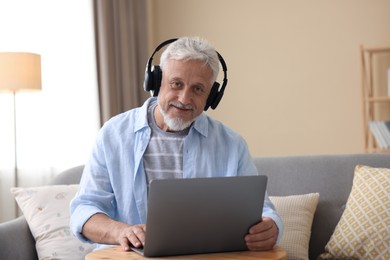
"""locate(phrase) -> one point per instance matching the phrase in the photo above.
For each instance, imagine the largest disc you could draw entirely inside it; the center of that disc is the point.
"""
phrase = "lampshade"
(20, 71)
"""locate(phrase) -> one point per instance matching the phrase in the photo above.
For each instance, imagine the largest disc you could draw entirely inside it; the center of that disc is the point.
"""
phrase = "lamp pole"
(16, 175)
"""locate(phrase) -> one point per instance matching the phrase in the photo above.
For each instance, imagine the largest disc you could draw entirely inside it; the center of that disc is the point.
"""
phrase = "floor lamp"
(19, 71)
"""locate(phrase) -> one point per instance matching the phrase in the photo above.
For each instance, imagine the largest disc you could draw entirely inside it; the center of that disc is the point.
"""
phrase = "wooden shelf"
(376, 50)
(373, 94)
(378, 150)
(377, 99)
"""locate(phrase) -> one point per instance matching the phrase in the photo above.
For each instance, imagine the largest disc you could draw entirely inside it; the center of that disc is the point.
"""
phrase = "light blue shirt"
(114, 181)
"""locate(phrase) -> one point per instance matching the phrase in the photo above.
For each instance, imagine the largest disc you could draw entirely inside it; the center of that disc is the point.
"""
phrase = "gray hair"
(192, 48)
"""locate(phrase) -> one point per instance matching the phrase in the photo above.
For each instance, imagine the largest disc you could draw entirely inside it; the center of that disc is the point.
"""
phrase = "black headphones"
(153, 76)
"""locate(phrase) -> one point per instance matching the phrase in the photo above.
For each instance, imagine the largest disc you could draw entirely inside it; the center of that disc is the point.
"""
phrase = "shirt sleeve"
(270, 211)
(94, 196)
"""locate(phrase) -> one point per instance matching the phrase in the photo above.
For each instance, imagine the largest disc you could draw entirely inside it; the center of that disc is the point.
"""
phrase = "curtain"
(55, 127)
(122, 53)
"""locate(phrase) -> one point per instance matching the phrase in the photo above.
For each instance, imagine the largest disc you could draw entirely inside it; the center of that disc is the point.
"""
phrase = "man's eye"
(175, 84)
(199, 89)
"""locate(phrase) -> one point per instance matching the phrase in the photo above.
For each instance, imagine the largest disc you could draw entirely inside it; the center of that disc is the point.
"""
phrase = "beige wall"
(294, 66)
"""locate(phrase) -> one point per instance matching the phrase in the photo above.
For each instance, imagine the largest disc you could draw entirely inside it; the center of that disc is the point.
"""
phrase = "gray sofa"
(329, 175)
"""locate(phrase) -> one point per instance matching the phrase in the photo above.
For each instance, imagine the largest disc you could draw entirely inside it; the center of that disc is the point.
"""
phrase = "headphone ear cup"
(217, 99)
(147, 81)
(152, 80)
(156, 82)
(212, 96)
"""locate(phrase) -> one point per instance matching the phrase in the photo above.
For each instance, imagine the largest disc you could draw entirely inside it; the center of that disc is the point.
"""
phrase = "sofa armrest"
(16, 241)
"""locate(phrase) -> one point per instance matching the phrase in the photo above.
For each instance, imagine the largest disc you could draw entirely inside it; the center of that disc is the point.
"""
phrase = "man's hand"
(134, 234)
(104, 230)
(262, 236)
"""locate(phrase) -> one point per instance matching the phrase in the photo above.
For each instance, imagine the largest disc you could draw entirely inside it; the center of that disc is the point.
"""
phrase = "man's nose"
(185, 96)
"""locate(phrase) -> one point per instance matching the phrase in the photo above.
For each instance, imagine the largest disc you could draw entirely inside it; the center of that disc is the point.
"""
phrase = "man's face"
(184, 90)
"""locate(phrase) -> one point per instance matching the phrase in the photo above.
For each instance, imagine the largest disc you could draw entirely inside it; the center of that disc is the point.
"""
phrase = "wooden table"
(117, 253)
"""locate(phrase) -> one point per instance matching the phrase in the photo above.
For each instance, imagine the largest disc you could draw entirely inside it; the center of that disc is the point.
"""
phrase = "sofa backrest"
(69, 176)
(329, 175)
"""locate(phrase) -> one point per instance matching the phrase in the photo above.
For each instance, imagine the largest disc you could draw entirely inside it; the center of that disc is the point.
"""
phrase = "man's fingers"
(124, 243)
(261, 245)
(135, 236)
(262, 236)
(138, 235)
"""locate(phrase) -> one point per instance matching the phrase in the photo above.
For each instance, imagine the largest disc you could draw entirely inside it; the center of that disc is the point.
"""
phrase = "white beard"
(174, 124)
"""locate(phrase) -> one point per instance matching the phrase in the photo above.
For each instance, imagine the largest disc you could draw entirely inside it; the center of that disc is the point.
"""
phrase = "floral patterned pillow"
(46, 210)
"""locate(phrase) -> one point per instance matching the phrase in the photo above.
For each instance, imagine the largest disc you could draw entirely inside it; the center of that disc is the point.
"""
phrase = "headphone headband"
(149, 64)
(153, 76)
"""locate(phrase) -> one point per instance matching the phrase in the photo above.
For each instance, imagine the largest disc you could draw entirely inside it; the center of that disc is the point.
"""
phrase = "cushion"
(363, 229)
(296, 212)
(46, 210)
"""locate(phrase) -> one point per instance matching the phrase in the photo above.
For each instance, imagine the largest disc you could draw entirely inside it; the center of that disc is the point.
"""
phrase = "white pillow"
(296, 212)
(46, 210)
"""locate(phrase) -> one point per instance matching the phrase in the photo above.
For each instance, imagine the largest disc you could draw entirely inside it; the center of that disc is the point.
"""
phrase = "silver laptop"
(202, 215)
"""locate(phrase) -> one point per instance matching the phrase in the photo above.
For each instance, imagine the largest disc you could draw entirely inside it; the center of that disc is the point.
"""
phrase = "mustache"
(180, 105)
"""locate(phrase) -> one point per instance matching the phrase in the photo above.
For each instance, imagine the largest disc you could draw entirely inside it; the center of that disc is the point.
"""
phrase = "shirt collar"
(201, 124)
(142, 115)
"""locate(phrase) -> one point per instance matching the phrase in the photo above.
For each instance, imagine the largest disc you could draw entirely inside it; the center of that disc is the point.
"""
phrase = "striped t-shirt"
(163, 158)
